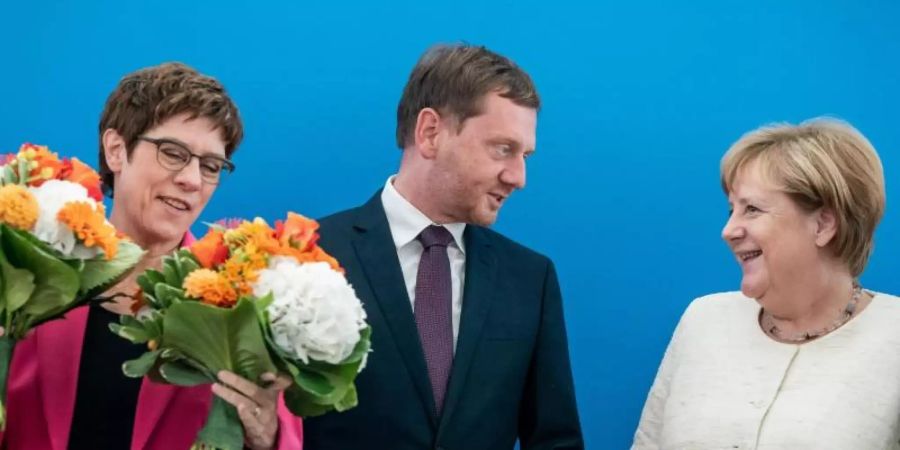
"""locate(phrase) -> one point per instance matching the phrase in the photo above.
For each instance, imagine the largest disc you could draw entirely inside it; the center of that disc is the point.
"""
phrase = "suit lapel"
(59, 371)
(152, 402)
(375, 249)
(59, 355)
(479, 285)
(153, 397)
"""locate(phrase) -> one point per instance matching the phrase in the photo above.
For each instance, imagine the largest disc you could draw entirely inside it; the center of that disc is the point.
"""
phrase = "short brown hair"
(150, 96)
(820, 163)
(453, 79)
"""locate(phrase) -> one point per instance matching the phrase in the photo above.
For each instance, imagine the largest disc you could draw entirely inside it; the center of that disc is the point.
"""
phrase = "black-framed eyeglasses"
(174, 156)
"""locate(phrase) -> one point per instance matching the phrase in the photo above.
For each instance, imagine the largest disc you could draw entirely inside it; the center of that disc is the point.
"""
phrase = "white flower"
(315, 313)
(51, 197)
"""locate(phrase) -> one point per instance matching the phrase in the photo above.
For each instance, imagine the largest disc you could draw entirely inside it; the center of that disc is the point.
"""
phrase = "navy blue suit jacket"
(511, 378)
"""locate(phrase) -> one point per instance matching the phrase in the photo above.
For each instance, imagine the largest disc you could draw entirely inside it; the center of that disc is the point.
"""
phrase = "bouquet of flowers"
(57, 251)
(251, 299)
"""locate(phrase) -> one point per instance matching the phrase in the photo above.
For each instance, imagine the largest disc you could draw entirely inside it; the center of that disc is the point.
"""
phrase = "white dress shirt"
(724, 384)
(406, 223)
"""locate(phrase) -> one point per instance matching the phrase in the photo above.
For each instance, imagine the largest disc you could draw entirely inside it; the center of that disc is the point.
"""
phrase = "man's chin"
(484, 219)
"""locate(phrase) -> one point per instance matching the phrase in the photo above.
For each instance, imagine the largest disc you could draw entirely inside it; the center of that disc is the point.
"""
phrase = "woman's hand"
(257, 406)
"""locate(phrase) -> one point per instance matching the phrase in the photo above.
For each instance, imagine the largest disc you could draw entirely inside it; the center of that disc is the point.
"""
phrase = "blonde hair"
(822, 162)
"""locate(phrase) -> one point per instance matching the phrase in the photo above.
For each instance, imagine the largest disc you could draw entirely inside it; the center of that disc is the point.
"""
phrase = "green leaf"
(23, 172)
(219, 338)
(261, 305)
(130, 321)
(171, 354)
(188, 263)
(9, 175)
(137, 368)
(184, 263)
(320, 387)
(362, 347)
(349, 401)
(314, 383)
(17, 286)
(77, 264)
(181, 374)
(170, 273)
(166, 295)
(99, 273)
(264, 302)
(28, 237)
(151, 300)
(153, 325)
(7, 344)
(56, 283)
(304, 404)
(137, 335)
(149, 279)
(223, 429)
(340, 376)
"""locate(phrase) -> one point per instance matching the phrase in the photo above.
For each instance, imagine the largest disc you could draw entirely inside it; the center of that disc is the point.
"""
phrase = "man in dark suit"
(469, 342)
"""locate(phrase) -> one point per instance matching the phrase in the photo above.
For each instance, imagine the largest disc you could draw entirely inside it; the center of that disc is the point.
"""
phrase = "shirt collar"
(407, 222)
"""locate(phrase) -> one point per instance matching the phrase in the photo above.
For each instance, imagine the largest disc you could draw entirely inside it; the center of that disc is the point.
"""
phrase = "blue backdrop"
(641, 100)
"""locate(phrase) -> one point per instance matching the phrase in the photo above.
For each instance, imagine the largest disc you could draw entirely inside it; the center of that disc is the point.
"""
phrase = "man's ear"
(114, 150)
(427, 134)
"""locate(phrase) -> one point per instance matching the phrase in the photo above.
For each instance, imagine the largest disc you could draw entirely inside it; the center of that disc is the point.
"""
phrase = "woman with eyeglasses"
(166, 136)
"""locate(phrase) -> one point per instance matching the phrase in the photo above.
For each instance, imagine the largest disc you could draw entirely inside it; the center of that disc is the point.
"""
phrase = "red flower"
(79, 172)
(297, 232)
(211, 250)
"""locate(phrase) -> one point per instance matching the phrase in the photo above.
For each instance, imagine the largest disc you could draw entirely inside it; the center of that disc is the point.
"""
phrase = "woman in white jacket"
(803, 357)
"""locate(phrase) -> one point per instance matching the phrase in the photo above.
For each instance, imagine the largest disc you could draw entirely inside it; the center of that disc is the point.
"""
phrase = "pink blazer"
(41, 397)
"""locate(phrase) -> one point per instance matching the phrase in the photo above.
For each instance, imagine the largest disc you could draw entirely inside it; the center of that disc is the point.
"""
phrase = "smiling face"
(151, 204)
(478, 167)
(777, 243)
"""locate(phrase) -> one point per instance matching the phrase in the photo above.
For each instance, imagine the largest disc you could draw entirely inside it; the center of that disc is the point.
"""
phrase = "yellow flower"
(211, 288)
(242, 268)
(258, 233)
(18, 207)
(90, 226)
(43, 164)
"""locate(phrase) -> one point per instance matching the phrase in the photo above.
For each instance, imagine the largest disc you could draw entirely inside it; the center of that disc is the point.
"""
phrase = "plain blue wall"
(641, 100)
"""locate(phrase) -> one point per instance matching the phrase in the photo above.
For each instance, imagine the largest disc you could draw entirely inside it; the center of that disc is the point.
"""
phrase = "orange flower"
(81, 173)
(242, 268)
(317, 254)
(138, 303)
(210, 251)
(18, 207)
(297, 232)
(322, 256)
(211, 288)
(257, 232)
(44, 165)
(90, 226)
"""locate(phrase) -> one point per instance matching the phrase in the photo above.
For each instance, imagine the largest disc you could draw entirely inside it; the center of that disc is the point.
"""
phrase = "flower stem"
(223, 429)
(7, 344)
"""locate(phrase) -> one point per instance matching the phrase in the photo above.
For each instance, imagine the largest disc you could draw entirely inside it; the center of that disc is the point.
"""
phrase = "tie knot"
(435, 235)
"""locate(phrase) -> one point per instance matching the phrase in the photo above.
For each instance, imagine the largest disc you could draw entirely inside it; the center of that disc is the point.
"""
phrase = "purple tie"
(433, 304)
